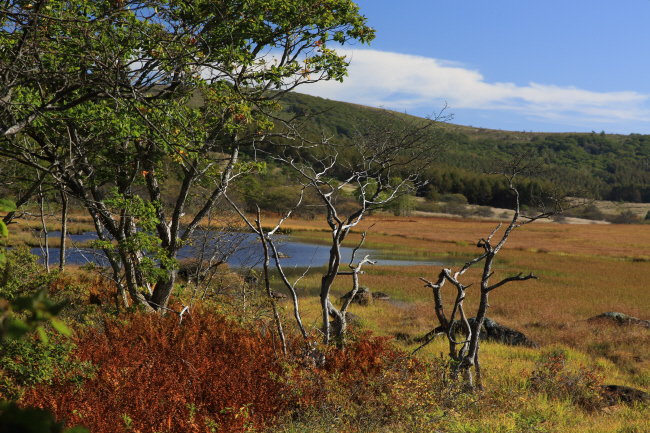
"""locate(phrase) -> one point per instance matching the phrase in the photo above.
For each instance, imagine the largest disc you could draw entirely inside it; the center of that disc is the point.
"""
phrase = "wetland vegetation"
(553, 388)
(164, 126)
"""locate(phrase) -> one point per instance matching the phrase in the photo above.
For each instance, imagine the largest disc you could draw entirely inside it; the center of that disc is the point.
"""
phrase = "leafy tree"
(5, 206)
(115, 99)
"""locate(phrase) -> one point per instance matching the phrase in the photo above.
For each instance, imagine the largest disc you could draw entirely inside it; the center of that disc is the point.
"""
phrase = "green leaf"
(3, 230)
(16, 329)
(42, 334)
(31, 420)
(7, 205)
(61, 327)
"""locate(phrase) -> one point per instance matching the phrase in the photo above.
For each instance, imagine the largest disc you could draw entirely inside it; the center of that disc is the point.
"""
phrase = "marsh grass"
(583, 271)
(24, 232)
(440, 236)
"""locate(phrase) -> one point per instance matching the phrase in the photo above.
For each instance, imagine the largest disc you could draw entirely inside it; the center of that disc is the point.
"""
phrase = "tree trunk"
(46, 255)
(267, 283)
(64, 229)
(163, 290)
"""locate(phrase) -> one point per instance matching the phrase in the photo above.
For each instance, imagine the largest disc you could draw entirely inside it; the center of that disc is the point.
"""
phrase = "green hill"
(612, 167)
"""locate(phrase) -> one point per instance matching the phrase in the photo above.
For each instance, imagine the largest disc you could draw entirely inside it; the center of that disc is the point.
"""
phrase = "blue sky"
(554, 66)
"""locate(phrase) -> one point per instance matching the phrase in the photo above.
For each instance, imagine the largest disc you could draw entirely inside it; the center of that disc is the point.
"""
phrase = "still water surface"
(249, 252)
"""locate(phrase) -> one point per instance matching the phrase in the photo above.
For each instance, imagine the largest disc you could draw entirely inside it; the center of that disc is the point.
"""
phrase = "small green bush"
(456, 209)
(31, 419)
(589, 212)
(432, 194)
(427, 206)
(625, 217)
(454, 198)
(29, 362)
(20, 273)
(485, 212)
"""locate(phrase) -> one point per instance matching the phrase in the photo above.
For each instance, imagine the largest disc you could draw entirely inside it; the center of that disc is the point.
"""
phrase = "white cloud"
(407, 82)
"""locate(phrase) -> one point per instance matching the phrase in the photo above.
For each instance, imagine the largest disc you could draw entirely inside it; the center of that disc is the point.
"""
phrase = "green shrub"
(20, 273)
(5, 206)
(427, 206)
(454, 198)
(28, 362)
(432, 194)
(31, 420)
(456, 209)
(625, 217)
(589, 212)
(485, 212)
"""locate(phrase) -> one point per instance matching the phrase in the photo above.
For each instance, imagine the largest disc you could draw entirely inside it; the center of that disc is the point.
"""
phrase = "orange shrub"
(156, 375)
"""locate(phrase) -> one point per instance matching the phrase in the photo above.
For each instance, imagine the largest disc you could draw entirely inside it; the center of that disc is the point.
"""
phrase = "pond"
(244, 250)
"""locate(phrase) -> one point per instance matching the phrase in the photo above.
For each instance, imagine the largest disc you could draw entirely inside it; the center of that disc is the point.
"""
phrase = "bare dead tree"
(464, 351)
(355, 271)
(268, 243)
(383, 163)
(266, 239)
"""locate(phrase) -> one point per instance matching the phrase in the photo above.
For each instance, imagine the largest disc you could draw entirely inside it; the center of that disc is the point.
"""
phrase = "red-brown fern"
(156, 375)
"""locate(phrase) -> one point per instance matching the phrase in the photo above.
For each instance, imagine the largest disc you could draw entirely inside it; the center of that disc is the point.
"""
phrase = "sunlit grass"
(583, 270)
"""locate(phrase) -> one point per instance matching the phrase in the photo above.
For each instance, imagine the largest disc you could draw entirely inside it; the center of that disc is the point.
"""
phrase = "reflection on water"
(247, 252)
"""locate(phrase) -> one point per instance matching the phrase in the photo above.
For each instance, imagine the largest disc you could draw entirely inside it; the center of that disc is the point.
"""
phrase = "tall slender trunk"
(64, 229)
(276, 315)
(46, 255)
(162, 292)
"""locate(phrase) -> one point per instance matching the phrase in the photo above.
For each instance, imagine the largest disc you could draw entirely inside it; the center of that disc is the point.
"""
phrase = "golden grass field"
(583, 270)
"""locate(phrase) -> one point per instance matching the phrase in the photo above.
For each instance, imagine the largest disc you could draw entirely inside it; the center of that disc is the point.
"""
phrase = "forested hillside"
(611, 167)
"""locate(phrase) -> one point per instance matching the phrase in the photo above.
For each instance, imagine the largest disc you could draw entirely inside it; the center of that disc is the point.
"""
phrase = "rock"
(380, 296)
(620, 319)
(403, 336)
(351, 318)
(282, 255)
(491, 331)
(278, 295)
(625, 394)
(251, 281)
(502, 334)
(362, 297)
